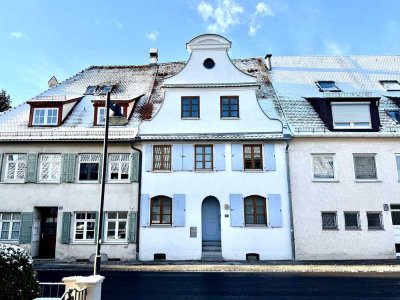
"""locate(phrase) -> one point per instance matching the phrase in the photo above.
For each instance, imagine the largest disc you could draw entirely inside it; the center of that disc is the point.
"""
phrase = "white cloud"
(262, 10)
(152, 36)
(17, 35)
(119, 24)
(225, 15)
(332, 48)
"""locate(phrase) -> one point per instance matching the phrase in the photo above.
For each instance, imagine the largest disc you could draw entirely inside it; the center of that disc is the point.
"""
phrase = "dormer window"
(45, 116)
(391, 85)
(327, 86)
(351, 115)
(91, 89)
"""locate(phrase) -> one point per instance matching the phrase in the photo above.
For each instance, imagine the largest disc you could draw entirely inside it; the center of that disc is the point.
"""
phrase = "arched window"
(255, 210)
(161, 210)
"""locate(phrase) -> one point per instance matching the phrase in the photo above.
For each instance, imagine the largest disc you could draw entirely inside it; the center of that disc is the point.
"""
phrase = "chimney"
(153, 56)
(268, 61)
(52, 82)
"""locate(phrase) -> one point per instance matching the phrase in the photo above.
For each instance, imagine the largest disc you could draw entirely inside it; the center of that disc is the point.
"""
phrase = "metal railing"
(57, 290)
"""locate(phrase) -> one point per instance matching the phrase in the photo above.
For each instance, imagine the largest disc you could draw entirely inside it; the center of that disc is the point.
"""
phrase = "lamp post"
(116, 119)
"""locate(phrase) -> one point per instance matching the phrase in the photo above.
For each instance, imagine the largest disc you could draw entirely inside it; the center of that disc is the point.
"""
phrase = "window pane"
(250, 219)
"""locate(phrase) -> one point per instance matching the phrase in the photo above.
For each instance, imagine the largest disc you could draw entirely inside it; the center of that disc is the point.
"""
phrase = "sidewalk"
(369, 266)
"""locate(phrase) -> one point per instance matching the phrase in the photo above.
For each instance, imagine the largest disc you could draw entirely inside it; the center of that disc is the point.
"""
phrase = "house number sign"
(193, 232)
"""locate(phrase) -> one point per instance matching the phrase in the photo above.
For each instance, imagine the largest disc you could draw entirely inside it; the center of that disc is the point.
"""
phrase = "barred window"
(50, 167)
(364, 167)
(116, 226)
(252, 157)
(10, 224)
(329, 220)
(162, 157)
(352, 220)
(15, 167)
(89, 167)
(161, 210)
(255, 210)
(374, 220)
(323, 166)
(118, 166)
(85, 223)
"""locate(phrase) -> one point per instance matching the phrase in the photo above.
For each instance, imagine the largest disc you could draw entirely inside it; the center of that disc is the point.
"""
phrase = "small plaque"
(193, 232)
(386, 207)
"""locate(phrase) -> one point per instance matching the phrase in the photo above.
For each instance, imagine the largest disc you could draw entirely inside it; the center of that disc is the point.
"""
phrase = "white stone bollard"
(91, 283)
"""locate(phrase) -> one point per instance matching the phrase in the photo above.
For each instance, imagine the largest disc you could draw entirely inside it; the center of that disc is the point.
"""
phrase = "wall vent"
(159, 256)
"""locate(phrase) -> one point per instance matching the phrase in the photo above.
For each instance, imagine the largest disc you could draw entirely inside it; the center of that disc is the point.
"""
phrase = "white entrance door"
(395, 210)
(210, 213)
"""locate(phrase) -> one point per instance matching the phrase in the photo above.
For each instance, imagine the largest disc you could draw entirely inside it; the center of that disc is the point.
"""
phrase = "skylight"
(327, 86)
(394, 114)
(391, 85)
(91, 89)
(105, 89)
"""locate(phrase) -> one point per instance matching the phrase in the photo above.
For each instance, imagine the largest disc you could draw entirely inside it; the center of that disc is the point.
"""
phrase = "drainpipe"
(288, 140)
(139, 193)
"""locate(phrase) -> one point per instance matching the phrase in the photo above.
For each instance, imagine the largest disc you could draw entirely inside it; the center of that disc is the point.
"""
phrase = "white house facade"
(343, 115)
(214, 166)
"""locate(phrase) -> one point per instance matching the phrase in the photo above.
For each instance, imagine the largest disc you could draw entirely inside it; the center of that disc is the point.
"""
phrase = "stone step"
(212, 243)
(216, 259)
(212, 254)
(211, 248)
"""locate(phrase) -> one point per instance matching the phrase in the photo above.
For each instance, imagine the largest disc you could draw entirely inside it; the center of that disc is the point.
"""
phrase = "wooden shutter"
(188, 157)
(269, 157)
(398, 164)
(237, 157)
(149, 158)
(1, 165)
(177, 157)
(135, 167)
(66, 227)
(219, 161)
(237, 210)
(132, 227)
(275, 210)
(31, 167)
(178, 210)
(144, 210)
(25, 233)
(68, 167)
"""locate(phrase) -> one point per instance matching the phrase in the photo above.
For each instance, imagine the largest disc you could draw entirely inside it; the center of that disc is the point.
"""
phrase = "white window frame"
(99, 120)
(46, 115)
(313, 178)
(374, 155)
(120, 163)
(85, 221)
(80, 161)
(51, 167)
(17, 163)
(117, 221)
(11, 222)
(351, 124)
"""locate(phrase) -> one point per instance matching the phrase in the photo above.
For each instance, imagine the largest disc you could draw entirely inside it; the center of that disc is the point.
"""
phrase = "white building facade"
(214, 181)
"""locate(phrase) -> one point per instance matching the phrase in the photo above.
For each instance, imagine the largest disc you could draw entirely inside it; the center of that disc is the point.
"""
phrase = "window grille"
(323, 167)
(162, 158)
(16, 167)
(119, 166)
(89, 167)
(329, 220)
(364, 167)
(50, 167)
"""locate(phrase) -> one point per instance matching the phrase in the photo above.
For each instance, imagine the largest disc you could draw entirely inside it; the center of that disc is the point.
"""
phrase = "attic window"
(351, 115)
(327, 86)
(391, 85)
(91, 89)
(45, 116)
(105, 89)
(208, 63)
(395, 115)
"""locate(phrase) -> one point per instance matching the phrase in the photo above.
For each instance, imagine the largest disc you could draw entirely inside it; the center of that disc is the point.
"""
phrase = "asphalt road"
(163, 285)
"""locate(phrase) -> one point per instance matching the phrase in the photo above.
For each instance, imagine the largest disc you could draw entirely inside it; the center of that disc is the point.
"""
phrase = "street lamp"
(116, 119)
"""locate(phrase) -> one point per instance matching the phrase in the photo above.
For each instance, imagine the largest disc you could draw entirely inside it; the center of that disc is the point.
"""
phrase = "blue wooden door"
(210, 213)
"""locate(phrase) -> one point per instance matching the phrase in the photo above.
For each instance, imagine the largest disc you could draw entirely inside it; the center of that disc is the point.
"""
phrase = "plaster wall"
(310, 198)
(175, 242)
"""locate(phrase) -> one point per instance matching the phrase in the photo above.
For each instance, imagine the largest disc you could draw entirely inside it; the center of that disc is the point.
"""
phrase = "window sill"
(367, 180)
(330, 229)
(230, 118)
(115, 242)
(325, 180)
(255, 226)
(162, 171)
(82, 243)
(10, 241)
(190, 118)
(253, 171)
(376, 229)
(160, 226)
(353, 229)
(13, 182)
(113, 181)
(50, 182)
(204, 171)
(87, 181)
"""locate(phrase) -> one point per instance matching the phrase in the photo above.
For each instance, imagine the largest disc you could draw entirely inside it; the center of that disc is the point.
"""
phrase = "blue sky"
(41, 38)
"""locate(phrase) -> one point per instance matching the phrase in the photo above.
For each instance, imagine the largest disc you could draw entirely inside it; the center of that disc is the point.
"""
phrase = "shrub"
(17, 277)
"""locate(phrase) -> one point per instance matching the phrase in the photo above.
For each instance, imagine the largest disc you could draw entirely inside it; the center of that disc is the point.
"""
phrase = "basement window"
(390, 85)
(327, 86)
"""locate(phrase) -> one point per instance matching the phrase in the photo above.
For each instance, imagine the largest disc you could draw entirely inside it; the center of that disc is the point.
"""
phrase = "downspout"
(139, 193)
(288, 140)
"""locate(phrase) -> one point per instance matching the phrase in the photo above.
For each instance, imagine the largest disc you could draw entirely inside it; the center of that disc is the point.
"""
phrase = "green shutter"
(25, 233)
(68, 168)
(96, 224)
(31, 167)
(100, 174)
(135, 167)
(1, 164)
(66, 227)
(132, 226)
